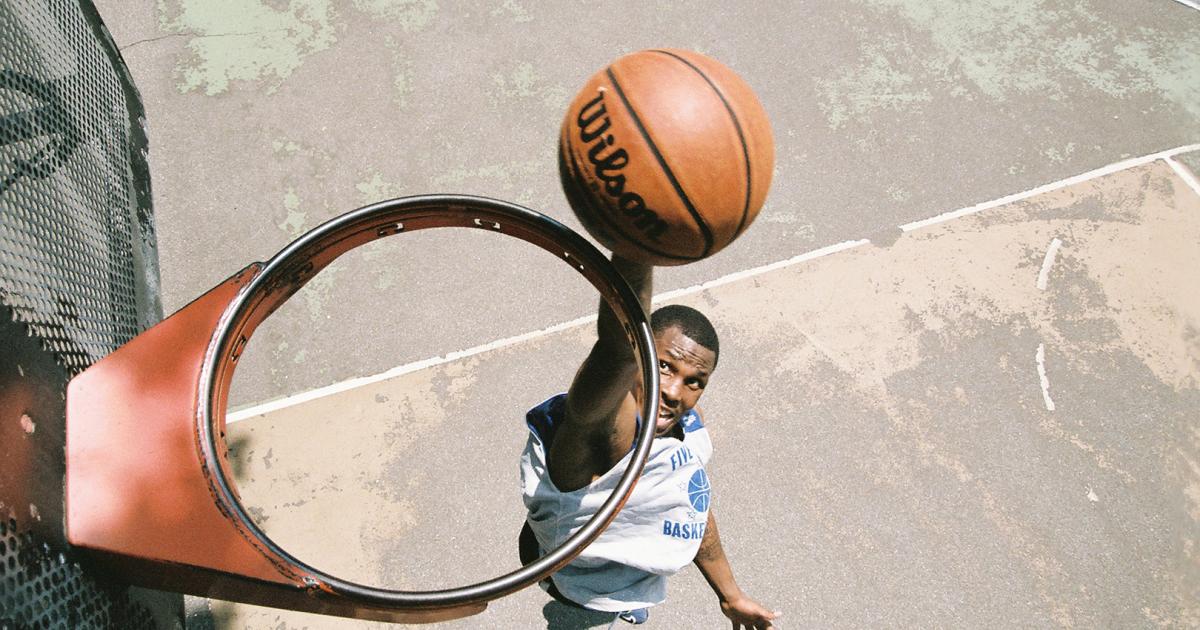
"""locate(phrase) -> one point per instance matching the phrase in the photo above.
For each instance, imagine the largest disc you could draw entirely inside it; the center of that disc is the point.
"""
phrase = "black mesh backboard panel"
(78, 278)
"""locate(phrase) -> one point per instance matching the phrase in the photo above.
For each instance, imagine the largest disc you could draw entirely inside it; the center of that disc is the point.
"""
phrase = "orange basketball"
(666, 156)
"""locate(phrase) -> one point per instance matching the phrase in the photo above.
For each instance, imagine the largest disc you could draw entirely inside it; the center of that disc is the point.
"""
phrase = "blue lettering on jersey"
(681, 456)
(684, 531)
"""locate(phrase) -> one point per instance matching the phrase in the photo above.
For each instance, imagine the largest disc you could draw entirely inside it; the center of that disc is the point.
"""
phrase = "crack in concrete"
(197, 36)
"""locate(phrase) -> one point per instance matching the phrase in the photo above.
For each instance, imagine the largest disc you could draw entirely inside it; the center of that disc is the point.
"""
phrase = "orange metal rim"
(292, 267)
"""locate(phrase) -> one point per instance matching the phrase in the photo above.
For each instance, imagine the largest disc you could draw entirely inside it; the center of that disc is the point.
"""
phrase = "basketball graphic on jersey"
(698, 491)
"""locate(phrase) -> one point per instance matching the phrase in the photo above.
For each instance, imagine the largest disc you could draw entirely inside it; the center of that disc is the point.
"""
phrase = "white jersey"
(656, 534)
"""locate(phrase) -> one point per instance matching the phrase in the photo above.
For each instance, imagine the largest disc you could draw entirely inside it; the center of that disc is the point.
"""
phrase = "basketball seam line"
(662, 162)
(602, 216)
(737, 126)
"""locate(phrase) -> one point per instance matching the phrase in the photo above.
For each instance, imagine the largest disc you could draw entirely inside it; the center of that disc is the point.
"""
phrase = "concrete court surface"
(268, 117)
(887, 454)
(989, 422)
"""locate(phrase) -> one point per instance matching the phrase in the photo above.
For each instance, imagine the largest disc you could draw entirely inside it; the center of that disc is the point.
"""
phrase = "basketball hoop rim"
(297, 263)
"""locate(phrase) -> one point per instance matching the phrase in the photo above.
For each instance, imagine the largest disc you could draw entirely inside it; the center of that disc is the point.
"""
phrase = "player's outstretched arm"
(741, 610)
(600, 421)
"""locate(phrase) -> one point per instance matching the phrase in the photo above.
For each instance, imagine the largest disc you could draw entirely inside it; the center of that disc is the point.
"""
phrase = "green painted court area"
(960, 366)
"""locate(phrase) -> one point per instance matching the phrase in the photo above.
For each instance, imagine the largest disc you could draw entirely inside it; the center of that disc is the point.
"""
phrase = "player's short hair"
(691, 322)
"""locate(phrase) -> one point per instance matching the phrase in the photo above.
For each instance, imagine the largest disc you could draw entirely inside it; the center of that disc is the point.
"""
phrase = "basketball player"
(575, 454)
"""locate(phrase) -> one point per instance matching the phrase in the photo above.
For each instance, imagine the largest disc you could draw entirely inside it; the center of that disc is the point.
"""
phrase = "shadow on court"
(559, 616)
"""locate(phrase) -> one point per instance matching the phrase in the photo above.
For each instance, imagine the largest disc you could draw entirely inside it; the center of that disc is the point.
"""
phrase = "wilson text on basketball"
(608, 161)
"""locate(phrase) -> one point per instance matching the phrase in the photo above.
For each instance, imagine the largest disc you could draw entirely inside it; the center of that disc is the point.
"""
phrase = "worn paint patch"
(797, 227)
(1191, 470)
(316, 473)
(510, 180)
(1152, 279)
(409, 15)
(513, 10)
(1059, 155)
(896, 193)
(911, 420)
(522, 82)
(245, 40)
(1169, 65)
(402, 73)
(945, 285)
(1191, 161)
(454, 381)
(294, 223)
(376, 188)
(316, 294)
(875, 83)
(1007, 48)
(921, 361)
(288, 147)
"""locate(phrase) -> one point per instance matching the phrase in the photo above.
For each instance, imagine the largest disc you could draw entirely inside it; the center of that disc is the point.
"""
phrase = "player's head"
(687, 349)
(690, 322)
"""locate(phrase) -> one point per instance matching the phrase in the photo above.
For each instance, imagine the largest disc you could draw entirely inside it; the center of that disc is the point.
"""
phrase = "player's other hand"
(747, 614)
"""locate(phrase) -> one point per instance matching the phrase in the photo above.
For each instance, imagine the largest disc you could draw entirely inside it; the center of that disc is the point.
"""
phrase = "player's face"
(684, 367)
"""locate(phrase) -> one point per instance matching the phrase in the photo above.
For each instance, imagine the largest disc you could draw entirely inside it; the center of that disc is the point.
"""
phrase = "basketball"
(666, 156)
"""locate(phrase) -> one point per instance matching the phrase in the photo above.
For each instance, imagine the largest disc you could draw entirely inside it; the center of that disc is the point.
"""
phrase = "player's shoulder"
(695, 435)
(545, 418)
(693, 420)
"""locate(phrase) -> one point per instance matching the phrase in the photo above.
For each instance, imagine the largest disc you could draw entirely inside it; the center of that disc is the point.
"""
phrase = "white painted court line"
(756, 271)
(1062, 183)
(1184, 173)
(1047, 263)
(320, 392)
(1041, 368)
